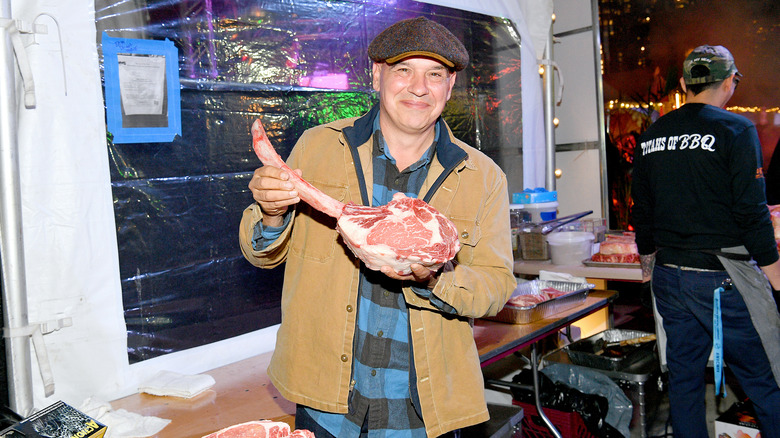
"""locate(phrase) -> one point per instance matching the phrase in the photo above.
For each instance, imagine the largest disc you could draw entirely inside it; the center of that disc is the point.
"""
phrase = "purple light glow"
(331, 81)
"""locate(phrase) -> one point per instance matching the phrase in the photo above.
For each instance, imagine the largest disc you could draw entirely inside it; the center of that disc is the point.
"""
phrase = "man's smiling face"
(412, 92)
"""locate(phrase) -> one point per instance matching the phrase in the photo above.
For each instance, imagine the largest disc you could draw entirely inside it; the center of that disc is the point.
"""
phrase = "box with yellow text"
(59, 420)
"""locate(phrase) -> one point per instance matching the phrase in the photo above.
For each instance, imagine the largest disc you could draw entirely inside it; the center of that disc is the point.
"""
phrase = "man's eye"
(436, 76)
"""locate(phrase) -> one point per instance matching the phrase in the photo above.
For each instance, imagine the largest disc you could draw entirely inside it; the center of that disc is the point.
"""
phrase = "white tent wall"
(532, 18)
(579, 135)
(69, 234)
(68, 227)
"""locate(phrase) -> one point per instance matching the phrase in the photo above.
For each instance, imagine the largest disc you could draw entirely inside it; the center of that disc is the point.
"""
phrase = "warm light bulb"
(555, 121)
(553, 17)
(558, 173)
(541, 70)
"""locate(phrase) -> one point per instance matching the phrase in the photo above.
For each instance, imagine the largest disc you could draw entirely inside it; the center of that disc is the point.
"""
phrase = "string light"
(752, 109)
(617, 104)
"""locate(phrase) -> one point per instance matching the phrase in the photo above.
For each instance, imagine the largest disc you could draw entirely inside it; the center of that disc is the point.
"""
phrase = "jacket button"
(373, 372)
(344, 358)
(464, 235)
(380, 333)
(349, 308)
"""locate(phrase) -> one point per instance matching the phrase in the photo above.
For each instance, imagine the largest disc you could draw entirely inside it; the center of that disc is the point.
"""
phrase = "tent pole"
(605, 196)
(17, 348)
(549, 112)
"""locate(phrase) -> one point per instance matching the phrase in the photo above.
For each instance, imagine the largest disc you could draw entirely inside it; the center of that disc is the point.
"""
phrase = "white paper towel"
(560, 276)
(121, 423)
(177, 385)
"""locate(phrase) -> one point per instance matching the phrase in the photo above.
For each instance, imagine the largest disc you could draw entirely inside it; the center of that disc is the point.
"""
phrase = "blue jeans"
(684, 300)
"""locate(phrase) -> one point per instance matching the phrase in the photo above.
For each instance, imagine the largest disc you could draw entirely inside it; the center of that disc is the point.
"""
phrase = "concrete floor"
(629, 314)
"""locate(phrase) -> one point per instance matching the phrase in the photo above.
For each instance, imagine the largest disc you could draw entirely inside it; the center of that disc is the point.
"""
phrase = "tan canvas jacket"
(311, 363)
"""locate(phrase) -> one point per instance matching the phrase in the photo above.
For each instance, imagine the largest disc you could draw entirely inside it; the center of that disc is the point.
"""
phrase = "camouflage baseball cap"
(718, 62)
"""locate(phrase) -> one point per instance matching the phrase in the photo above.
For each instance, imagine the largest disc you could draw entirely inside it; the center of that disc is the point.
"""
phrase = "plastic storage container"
(539, 203)
(517, 216)
(543, 211)
(533, 245)
(570, 247)
(597, 226)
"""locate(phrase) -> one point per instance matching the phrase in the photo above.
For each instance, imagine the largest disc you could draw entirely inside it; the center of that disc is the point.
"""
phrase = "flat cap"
(418, 37)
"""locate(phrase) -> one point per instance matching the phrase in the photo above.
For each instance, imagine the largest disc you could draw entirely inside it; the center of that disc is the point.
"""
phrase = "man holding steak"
(701, 218)
(362, 351)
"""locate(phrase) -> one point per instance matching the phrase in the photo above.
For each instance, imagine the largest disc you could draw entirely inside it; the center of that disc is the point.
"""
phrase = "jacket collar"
(448, 153)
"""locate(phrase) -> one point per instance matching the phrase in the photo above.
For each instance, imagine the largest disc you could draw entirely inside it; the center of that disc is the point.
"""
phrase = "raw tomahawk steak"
(259, 429)
(405, 231)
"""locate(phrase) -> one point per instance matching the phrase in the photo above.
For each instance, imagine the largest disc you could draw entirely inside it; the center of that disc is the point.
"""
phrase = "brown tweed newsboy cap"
(418, 37)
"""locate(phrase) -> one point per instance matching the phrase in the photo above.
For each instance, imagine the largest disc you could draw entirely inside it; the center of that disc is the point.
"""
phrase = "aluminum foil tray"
(590, 352)
(576, 294)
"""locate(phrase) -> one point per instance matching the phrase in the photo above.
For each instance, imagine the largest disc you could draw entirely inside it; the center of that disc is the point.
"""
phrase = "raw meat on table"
(617, 249)
(529, 300)
(254, 429)
(615, 258)
(261, 429)
(403, 232)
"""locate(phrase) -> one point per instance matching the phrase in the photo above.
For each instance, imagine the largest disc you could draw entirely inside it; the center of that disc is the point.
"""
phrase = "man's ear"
(453, 76)
(682, 85)
(728, 82)
(375, 72)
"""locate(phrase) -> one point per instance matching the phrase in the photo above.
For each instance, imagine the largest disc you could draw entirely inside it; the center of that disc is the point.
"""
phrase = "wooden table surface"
(605, 271)
(243, 392)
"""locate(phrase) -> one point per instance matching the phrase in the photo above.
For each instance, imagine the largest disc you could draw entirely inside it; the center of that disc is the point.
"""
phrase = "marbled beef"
(405, 231)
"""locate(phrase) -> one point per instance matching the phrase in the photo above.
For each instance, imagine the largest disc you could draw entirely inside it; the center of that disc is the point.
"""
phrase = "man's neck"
(407, 149)
(703, 97)
(713, 96)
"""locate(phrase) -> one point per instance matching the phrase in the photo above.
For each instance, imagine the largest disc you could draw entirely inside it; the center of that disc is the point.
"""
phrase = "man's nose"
(418, 85)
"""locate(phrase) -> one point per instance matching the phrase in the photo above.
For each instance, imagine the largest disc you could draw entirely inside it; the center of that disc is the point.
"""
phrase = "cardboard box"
(56, 421)
(739, 421)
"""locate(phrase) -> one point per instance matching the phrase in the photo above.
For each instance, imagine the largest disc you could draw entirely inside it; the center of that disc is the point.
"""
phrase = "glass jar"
(516, 219)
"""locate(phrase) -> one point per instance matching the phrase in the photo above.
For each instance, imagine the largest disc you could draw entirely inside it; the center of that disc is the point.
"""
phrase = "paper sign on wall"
(143, 102)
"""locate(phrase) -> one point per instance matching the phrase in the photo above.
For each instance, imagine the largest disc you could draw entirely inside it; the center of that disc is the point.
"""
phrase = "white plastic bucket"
(570, 247)
(543, 211)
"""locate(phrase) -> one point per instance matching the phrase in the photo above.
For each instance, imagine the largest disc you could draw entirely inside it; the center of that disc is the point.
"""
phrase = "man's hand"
(273, 191)
(420, 274)
(647, 262)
